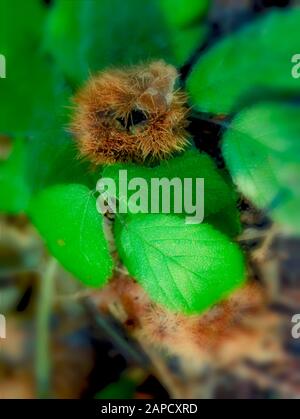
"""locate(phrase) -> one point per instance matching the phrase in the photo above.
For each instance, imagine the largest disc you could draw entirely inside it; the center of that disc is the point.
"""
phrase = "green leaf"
(28, 17)
(14, 190)
(86, 36)
(34, 97)
(248, 64)
(53, 159)
(37, 162)
(67, 219)
(181, 13)
(217, 193)
(186, 32)
(262, 151)
(32, 89)
(227, 220)
(33, 103)
(122, 389)
(187, 268)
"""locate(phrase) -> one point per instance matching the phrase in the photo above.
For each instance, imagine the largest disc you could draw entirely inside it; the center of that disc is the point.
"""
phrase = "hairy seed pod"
(131, 114)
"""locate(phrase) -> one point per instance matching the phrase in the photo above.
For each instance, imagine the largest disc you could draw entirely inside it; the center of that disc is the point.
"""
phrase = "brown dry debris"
(242, 327)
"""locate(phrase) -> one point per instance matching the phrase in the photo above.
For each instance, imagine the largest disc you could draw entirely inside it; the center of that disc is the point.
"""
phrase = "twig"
(43, 363)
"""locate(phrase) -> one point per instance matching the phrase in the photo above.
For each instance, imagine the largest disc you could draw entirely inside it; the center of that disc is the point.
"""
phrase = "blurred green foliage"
(248, 65)
(50, 51)
(122, 389)
(262, 151)
(15, 193)
(192, 165)
(186, 25)
(86, 36)
(67, 217)
(183, 13)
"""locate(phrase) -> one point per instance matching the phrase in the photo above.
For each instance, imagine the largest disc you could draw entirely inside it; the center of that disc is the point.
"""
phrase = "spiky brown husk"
(105, 109)
(239, 328)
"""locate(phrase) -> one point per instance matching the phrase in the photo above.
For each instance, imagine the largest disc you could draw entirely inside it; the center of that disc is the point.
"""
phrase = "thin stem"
(43, 362)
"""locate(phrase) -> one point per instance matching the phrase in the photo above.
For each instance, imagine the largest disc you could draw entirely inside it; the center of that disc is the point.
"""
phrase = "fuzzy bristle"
(236, 329)
(130, 115)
